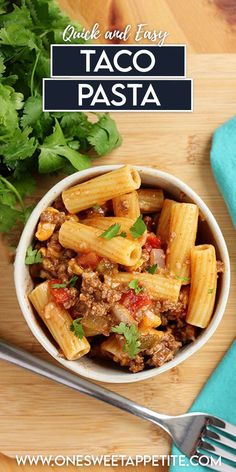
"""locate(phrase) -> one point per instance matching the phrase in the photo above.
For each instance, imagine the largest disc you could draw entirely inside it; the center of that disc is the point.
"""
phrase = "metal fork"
(192, 433)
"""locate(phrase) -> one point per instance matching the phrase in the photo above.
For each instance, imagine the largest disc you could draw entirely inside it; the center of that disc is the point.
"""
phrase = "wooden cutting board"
(38, 416)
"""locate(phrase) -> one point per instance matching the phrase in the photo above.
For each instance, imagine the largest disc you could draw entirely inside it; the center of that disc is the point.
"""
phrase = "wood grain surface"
(198, 23)
(38, 416)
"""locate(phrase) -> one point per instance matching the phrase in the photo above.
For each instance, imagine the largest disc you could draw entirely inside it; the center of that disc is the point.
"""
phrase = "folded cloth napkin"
(218, 397)
(223, 163)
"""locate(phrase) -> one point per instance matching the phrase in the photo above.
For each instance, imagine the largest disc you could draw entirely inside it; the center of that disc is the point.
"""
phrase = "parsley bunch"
(32, 141)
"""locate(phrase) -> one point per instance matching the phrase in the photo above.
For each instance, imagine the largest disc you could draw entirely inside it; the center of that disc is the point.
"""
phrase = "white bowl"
(97, 370)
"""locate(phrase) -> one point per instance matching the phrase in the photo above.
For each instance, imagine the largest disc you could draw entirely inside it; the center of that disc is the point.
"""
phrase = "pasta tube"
(82, 238)
(126, 205)
(58, 321)
(159, 286)
(112, 348)
(203, 285)
(105, 222)
(150, 200)
(183, 230)
(163, 227)
(100, 189)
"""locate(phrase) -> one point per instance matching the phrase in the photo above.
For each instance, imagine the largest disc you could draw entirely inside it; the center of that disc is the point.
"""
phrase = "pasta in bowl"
(122, 272)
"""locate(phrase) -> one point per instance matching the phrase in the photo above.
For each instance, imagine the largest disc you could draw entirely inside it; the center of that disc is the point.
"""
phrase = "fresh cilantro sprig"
(33, 256)
(131, 335)
(113, 232)
(70, 283)
(138, 228)
(134, 284)
(152, 269)
(77, 328)
(32, 141)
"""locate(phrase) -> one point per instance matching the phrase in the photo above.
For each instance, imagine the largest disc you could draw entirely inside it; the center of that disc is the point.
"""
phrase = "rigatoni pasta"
(126, 205)
(182, 237)
(150, 200)
(105, 222)
(100, 189)
(159, 286)
(80, 237)
(203, 285)
(58, 321)
(163, 227)
(121, 266)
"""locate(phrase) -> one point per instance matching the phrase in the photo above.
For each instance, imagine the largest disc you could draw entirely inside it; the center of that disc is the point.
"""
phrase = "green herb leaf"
(77, 328)
(138, 228)
(104, 135)
(28, 142)
(123, 234)
(183, 279)
(96, 207)
(111, 232)
(70, 283)
(55, 149)
(211, 290)
(8, 217)
(134, 284)
(33, 256)
(73, 281)
(59, 285)
(131, 334)
(152, 269)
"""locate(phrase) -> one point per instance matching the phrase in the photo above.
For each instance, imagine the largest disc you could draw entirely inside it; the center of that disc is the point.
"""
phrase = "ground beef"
(163, 351)
(73, 295)
(94, 304)
(184, 332)
(59, 205)
(55, 260)
(137, 364)
(56, 218)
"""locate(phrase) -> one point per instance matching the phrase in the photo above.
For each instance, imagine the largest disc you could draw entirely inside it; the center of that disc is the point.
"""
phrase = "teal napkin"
(218, 397)
(223, 163)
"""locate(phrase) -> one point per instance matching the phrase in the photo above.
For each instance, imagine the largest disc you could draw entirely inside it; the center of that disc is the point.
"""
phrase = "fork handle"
(34, 364)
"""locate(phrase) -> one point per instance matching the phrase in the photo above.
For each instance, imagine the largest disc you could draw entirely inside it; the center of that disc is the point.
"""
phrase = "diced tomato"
(60, 295)
(133, 301)
(152, 242)
(89, 260)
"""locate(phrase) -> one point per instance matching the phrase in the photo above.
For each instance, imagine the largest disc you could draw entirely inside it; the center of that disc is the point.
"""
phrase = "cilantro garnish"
(77, 328)
(138, 228)
(113, 232)
(183, 279)
(70, 283)
(33, 256)
(134, 284)
(131, 334)
(152, 269)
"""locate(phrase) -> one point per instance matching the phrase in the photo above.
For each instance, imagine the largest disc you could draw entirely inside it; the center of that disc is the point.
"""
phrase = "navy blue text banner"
(107, 60)
(117, 95)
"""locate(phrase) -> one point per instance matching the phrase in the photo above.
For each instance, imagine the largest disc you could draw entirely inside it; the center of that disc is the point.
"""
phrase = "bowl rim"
(20, 281)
